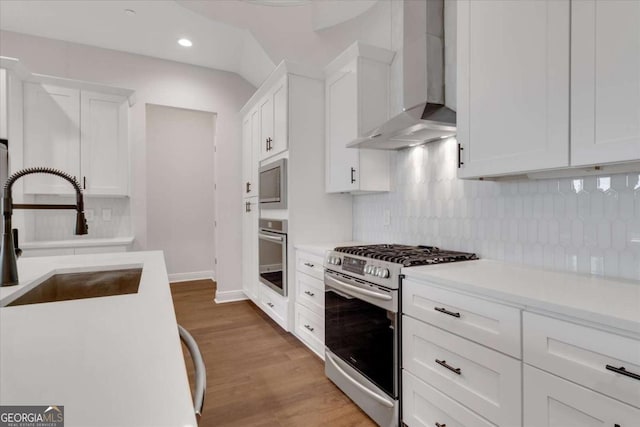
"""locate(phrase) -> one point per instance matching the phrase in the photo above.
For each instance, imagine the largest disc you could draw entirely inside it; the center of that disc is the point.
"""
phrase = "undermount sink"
(71, 286)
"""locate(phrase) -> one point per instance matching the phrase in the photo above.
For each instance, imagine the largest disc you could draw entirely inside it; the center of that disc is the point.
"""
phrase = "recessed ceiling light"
(130, 12)
(185, 42)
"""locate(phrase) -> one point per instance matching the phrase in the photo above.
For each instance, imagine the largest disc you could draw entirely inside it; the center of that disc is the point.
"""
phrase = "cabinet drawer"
(582, 354)
(425, 406)
(274, 305)
(488, 382)
(310, 293)
(310, 264)
(310, 329)
(550, 401)
(491, 324)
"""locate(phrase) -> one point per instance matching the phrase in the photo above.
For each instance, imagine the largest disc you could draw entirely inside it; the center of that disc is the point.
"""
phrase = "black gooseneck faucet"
(9, 250)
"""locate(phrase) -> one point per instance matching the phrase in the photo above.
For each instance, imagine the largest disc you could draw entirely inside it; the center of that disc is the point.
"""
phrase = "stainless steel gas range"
(362, 321)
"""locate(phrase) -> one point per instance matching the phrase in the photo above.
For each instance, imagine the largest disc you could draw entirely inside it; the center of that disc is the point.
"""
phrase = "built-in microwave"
(273, 185)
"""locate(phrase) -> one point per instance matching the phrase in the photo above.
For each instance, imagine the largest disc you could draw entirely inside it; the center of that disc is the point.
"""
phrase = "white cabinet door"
(342, 127)
(280, 118)
(250, 249)
(266, 126)
(51, 136)
(605, 81)
(3, 103)
(249, 157)
(513, 86)
(550, 401)
(104, 144)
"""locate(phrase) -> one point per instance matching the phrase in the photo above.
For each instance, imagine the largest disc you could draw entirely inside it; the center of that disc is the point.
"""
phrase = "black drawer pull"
(449, 367)
(308, 264)
(309, 328)
(309, 293)
(445, 311)
(622, 371)
(440, 425)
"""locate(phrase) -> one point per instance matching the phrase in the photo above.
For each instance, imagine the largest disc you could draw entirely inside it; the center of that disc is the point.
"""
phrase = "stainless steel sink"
(70, 286)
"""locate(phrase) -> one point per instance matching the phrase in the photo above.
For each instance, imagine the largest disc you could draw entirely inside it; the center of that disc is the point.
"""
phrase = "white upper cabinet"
(82, 133)
(357, 100)
(605, 81)
(104, 148)
(513, 86)
(51, 136)
(273, 120)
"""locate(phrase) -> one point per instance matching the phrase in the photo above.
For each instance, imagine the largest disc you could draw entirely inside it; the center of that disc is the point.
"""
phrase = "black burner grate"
(407, 255)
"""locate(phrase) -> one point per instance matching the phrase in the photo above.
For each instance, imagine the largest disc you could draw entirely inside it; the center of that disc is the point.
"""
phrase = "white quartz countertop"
(322, 248)
(79, 242)
(615, 303)
(111, 361)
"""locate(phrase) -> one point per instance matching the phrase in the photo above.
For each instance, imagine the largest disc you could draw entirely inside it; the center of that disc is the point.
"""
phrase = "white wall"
(167, 83)
(180, 195)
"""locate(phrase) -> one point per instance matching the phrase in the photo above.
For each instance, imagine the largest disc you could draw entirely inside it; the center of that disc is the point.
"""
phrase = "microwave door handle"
(272, 238)
(348, 287)
(375, 396)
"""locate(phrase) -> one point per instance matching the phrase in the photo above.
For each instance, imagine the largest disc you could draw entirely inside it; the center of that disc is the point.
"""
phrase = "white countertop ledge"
(611, 302)
(110, 361)
(79, 242)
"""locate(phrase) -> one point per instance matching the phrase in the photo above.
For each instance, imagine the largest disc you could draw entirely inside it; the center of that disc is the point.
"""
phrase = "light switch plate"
(106, 214)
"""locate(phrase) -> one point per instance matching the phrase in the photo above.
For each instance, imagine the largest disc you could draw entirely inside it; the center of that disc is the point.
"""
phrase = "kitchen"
(529, 161)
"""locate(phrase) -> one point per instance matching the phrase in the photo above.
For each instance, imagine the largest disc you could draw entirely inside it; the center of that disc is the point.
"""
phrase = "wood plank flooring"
(257, 374)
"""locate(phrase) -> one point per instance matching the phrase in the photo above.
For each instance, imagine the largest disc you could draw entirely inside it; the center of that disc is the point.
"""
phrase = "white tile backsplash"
(583, 224)
(60, 224)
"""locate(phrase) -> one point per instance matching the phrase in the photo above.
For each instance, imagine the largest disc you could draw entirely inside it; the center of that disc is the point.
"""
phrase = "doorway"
(180, 189)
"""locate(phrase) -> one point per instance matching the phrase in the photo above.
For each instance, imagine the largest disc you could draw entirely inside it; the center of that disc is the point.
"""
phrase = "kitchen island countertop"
(110, 361)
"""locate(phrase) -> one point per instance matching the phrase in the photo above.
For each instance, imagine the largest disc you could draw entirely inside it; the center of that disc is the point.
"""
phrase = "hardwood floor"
(257, 374)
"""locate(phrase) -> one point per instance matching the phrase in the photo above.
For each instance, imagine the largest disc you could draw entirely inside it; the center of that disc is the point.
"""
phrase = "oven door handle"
(375, 396)
(347, 286)
(272, 238)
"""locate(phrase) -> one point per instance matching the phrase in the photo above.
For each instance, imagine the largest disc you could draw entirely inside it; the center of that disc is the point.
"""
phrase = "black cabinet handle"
(308, 264)
(309, 328)
(460, 162)
(440, 425)
(353, 178)
(248, 187)
(449, 367)
(84, 182)
(445, 311)
(309, 293)
(269, 146)
(622, 371)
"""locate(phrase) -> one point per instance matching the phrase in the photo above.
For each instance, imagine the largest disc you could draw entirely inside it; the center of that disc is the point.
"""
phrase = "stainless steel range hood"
(424, 117)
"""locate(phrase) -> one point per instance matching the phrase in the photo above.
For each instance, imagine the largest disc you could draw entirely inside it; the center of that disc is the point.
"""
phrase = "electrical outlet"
(386, 217)
(106, 214)
(88, 214)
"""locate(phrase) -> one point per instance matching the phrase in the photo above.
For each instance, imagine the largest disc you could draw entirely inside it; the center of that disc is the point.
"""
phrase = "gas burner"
(407, 256)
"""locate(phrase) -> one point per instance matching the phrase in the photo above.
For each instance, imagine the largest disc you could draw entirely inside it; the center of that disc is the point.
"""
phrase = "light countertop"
(615, 303)
(111, 361)
(79, 242)
(321, 249)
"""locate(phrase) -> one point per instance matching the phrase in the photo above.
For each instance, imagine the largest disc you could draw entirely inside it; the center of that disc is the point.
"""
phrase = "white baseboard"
(196, 275)
(229, 296)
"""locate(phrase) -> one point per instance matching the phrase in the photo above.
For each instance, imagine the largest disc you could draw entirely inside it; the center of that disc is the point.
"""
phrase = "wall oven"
(272, 254)
(272, 192)
(361, 338)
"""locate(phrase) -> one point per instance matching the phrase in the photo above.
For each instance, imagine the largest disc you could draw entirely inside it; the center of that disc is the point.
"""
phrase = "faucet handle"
(15, 243)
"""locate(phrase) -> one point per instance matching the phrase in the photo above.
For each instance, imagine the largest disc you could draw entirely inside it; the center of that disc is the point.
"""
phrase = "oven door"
(272, 255)
(361, 328)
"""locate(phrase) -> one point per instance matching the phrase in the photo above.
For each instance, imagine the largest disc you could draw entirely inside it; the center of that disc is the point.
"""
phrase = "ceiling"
(248, 37)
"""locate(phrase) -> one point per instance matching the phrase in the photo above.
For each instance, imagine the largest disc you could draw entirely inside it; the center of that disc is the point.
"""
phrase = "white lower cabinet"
(309, 304)
(250, 280)
(425, 406)
(482, 379)
(275, 305)
(550, 401)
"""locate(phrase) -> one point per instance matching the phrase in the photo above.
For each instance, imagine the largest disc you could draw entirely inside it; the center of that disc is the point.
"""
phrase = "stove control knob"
(369, 269)
(338, 260)
(376, 271)
(384, 273)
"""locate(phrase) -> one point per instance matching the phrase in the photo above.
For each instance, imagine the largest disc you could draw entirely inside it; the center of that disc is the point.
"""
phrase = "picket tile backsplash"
(583, 224)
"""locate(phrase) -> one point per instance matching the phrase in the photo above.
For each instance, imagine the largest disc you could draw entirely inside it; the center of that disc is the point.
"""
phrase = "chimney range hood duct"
(424, 117)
